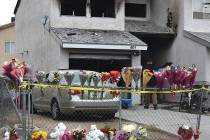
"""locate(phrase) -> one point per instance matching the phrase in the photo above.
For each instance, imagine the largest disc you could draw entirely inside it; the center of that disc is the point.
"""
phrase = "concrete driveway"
(166, 120)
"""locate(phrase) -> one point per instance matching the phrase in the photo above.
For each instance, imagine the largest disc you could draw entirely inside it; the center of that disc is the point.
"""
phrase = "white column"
(136, 61)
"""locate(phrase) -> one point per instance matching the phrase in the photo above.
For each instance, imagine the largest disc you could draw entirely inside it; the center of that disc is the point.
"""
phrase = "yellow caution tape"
(26, 85)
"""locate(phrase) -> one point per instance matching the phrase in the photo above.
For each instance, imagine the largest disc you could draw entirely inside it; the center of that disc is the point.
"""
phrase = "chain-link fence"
(46, 107)
(9, 115)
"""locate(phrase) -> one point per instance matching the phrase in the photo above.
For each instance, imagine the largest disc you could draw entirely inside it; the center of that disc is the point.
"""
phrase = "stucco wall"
(195, 25)
(33, 36)
(159, 11)
(182, 50)
(59, 21)
(207, 63)
(6, 35)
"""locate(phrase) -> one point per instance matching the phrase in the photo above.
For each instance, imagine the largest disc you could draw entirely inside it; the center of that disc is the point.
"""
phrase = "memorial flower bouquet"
(40, 76)
(185, 132)
(79, 134)
(39, 135)
(83, 75)
(136, 74)
(69, 76)
(127, 76)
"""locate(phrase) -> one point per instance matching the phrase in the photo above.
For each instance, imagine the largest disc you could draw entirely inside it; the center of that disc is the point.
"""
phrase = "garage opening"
(98, 65)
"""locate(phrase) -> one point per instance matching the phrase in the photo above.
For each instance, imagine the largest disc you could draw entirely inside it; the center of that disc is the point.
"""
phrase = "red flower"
(115, 76)
(105, 76)
(185, 134)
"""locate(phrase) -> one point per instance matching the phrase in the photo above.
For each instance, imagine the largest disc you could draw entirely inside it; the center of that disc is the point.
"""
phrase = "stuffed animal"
(94, 134)
(6, 135)
(60, 133)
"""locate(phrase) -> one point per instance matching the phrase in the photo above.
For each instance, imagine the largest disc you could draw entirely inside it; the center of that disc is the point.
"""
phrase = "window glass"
(12, 47)
(9, 48)
(135, 10)
(73, 7)
(102, 8)
(201, 9)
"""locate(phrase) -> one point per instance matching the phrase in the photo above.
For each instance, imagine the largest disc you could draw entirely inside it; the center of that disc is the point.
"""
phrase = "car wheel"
(55, 111)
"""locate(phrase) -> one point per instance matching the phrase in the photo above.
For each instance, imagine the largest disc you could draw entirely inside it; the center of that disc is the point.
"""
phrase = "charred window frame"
(136, 10)
(103, 8)
(73, 7)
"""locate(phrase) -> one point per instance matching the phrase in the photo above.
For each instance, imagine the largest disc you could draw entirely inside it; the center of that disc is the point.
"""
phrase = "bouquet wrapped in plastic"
(40, 76)
(105, 76)
(15, 71)
(79, 134)
(115, 77)
(96, 80)
(190, 77)
(169, 73)
(39, 135)
(89, 79)
(83, 75)
(160, 77)
(136, 74)
(185, 132)
(54, 77)
(127, 76)
(69, 76)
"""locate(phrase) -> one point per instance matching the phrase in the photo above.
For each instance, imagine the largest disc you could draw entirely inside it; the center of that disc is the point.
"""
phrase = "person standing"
(149, 82)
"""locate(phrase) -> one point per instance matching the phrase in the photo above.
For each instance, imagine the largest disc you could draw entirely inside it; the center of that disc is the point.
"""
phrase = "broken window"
(73, 7)
(103, 8)
(135, 10)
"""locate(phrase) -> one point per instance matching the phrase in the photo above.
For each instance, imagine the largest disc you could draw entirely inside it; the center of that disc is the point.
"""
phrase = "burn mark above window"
(73, 7)
(135, 10)
(102, 8)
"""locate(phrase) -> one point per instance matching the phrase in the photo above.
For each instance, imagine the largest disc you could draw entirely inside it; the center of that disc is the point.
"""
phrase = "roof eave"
(196, 38)
(5, 26)
(17, 6)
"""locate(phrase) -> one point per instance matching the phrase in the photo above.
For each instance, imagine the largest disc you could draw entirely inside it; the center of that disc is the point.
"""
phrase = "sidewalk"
(166, 120)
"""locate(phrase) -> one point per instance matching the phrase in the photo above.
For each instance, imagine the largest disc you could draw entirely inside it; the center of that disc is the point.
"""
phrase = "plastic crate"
(126, 103)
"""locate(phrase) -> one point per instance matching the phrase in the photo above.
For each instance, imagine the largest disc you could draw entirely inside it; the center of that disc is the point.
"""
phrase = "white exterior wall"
(61, 21)
(195, 25)
(207, 63)
(31, 35)
(182, 50)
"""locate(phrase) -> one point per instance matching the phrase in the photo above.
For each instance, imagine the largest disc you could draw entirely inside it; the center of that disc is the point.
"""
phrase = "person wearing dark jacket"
(149, 81)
